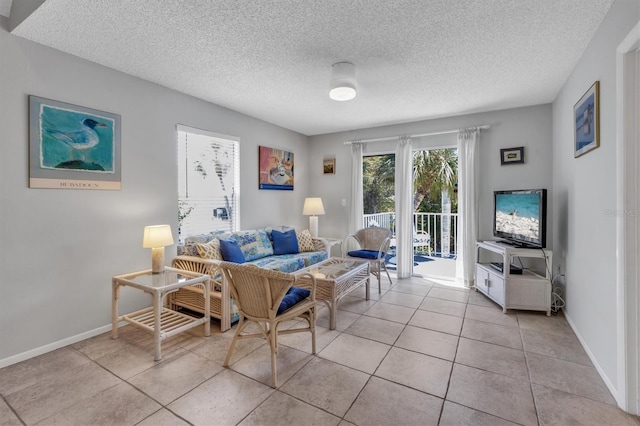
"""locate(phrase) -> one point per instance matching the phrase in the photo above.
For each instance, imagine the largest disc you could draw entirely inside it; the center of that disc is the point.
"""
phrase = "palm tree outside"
(435, 177)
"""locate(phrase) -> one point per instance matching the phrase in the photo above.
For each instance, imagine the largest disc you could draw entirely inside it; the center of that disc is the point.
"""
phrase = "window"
(208, 182)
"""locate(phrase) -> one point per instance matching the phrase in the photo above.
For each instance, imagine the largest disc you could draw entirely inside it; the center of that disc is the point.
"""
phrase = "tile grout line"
(526, 361)
(453, 363)
(4, 399)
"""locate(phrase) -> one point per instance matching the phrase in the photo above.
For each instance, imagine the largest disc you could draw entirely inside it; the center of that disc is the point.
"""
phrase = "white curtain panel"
(357, 209)
(467, 205)
(404, 208)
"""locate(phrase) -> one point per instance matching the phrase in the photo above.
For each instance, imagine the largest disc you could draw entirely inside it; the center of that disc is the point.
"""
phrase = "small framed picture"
(329, 166)
(512, 155)
(586, 116)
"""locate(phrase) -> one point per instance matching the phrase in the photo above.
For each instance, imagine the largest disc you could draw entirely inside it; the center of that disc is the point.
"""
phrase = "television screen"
(520, 217)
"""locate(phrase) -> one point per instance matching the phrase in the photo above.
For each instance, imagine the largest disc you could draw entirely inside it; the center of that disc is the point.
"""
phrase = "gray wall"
(529, 127)
(584, 192)
(60, 248)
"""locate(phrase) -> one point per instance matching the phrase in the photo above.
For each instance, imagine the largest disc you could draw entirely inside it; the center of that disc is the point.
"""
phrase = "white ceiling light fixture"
(343, 81)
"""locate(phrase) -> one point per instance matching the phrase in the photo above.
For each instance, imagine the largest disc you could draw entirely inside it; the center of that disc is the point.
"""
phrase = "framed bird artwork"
(72, 147)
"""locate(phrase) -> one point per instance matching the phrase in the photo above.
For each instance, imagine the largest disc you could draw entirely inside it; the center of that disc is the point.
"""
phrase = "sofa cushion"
(231, 251)
(254, 243)
(293, 296)
(281, 228)
(284, 263)
(285, 242)
(210, 250)
(312, 257)
(189, 248)
(305, 242)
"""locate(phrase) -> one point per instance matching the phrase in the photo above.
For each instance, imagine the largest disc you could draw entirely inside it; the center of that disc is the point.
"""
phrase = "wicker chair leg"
(379, 276)
(387, 271)
(241, 325)
(274, 374)
(274, 330)
(312, 325)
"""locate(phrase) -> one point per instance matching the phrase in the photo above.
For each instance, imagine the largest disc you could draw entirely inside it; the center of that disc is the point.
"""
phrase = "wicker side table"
(335, 278)
(157, 319)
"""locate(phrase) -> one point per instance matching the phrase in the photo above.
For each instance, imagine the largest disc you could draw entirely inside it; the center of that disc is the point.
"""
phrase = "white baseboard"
(617, 395)
(53, 346)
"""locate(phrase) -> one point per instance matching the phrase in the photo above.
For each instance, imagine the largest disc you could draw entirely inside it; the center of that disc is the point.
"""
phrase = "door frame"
(628, 221)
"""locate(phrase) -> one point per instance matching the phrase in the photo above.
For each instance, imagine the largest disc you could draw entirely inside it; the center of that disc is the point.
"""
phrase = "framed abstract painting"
(73, 147)
(275, 169)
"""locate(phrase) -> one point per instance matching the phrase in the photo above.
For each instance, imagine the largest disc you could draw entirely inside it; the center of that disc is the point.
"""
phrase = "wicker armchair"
(258, 293)
(373, 243)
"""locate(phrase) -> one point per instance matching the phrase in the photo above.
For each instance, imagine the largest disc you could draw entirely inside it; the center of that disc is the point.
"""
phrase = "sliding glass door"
(434, 227)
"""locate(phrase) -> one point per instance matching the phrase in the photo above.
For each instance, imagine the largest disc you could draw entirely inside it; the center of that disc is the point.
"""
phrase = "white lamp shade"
(313, 206)
(343, 81)
(157, 236)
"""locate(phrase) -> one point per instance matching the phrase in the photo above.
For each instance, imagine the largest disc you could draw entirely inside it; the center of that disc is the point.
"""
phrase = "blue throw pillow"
(293, 296)
(365, 254)
(285, 242)
(230, 251)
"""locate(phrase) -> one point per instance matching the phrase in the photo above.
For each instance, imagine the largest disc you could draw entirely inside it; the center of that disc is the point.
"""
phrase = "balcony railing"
(441, 227)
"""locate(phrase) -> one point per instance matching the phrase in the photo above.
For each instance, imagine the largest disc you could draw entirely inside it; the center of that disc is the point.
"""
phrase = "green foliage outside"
(434, 171)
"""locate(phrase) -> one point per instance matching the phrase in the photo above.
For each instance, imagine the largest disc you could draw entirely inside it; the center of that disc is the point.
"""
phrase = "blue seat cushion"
(230, 251)
(293, 296)
(285, 242)
(365, 254)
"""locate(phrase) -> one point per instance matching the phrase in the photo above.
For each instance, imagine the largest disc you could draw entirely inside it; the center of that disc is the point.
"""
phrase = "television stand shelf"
(528, 290)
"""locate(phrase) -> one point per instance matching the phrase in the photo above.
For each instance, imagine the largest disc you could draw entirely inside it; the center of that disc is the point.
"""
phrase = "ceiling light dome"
(343, 81)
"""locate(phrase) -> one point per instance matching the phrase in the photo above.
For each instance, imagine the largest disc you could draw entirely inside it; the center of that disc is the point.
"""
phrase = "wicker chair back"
(374, 238)
(257, 291)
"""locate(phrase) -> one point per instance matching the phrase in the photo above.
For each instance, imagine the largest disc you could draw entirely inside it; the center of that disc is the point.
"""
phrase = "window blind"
(208, 182)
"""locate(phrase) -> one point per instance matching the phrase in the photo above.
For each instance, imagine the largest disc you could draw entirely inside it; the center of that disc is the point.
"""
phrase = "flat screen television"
(520, 217)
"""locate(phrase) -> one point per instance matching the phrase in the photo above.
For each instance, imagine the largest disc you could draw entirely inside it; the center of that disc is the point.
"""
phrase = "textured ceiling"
(5, 7)
(271, 59)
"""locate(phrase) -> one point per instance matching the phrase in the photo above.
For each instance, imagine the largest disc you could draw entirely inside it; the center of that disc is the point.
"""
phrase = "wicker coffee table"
(335, 278)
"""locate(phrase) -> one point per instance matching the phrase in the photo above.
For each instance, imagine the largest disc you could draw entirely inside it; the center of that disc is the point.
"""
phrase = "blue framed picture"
(586, 115)
(72, 147)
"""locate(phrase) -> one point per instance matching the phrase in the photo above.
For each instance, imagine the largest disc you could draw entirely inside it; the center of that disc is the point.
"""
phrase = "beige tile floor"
(416, 354)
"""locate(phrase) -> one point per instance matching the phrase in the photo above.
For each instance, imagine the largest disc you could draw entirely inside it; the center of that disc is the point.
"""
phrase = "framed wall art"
(72, 147)
(586, 117)
(275, 169)
(329, 166)
(512, 155)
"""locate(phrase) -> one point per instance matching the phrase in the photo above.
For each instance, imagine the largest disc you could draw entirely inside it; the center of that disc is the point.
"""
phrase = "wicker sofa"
(201, 253)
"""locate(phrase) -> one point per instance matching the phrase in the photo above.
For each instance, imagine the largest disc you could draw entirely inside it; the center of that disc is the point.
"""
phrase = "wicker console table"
(335, 278)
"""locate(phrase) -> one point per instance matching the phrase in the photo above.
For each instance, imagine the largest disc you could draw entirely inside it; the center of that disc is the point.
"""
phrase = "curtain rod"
(483, 127)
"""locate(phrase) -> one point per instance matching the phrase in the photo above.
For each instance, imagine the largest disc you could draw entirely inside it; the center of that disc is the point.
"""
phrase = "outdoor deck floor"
(433, 267)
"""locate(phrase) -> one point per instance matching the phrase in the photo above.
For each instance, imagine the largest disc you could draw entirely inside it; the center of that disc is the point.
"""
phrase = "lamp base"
(157, 260)
(313, 226)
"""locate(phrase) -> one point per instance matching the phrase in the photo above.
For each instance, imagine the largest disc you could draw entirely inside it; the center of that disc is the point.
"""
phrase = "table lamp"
(312, 208)
(156, 237)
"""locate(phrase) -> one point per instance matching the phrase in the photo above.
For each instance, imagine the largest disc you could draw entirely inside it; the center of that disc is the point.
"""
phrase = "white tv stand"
(530, 290)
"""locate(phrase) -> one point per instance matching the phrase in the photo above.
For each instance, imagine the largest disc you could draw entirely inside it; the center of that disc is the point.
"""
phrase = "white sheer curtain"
(404, 208)
(357, 209)
(467, 205)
